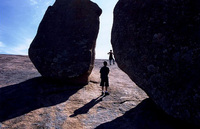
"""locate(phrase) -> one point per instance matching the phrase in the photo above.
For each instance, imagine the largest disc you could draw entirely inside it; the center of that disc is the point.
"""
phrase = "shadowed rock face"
(64, 45)
(157, 43)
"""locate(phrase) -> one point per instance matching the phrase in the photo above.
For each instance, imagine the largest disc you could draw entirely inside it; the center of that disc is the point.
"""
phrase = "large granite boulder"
(64, 45)
(157, 43)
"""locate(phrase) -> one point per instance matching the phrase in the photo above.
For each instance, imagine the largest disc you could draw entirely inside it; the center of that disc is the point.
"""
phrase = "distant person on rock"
(104, 71)
(111, 57)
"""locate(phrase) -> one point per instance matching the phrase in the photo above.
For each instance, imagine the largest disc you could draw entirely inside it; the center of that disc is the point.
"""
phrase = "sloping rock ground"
(29, 101)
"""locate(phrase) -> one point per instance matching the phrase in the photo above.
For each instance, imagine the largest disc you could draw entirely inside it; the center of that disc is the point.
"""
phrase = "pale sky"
(19, 21)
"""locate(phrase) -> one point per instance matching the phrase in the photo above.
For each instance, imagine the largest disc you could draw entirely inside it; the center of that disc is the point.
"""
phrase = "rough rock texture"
(15, 69)
(64, 45)
(157, 43)
(36, 102)
(39, 103)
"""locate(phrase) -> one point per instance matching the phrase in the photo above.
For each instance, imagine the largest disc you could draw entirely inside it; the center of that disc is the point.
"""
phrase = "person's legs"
(102, 93)
(110, 61)
(106, 92)
(106, 87)
(102, 86)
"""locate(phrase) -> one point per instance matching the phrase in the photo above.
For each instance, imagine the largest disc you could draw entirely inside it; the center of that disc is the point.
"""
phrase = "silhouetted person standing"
(104, 78)
(111, 57)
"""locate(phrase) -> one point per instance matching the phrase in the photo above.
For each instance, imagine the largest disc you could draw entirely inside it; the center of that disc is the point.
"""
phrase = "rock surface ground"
(127, 106)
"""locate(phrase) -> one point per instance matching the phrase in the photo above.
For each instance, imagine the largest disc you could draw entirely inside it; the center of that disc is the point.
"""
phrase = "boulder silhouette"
(157, 43)
(63, 47)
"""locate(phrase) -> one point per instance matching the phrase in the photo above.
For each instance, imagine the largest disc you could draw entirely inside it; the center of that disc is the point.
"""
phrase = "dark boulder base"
(157, 43)
(146, 115)
(63, 48)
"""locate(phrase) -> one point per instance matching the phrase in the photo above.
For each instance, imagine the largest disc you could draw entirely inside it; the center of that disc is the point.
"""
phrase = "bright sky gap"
(19, 21)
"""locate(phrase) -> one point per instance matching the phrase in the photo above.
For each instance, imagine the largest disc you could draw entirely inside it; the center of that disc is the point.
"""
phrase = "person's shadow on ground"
(18, 99)
(87, 107)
